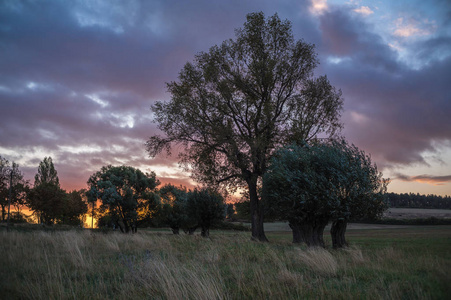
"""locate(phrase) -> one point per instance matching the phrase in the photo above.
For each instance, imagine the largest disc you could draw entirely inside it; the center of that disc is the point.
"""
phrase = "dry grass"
(319, 260)
(85, 265)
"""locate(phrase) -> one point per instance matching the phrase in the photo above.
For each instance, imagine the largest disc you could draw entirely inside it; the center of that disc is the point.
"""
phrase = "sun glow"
(318, 7)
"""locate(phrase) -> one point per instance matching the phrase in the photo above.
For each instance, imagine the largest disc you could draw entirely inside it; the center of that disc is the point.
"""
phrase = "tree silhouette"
(173, 207)
(236, 103)
(310, 185)
(121, 190)
(46, 198)
(13, 187)
(205, 207)
(46, 173)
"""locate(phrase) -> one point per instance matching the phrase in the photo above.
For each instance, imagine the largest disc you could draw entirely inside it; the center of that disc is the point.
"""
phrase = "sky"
(77, 79)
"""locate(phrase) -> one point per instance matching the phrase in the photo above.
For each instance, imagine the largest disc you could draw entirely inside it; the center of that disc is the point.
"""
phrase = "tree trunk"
(191, 230)
(205, 232)
(337, 232)
(298, 236)
(122, 226)
(311, 233)
(258, 232)
(92, 216)
(3, 213)
(318, 233)
(307, 233)
(135, 225)
(126, 226)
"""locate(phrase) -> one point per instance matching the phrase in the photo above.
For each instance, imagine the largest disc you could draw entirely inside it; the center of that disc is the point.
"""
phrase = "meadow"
(394, 263)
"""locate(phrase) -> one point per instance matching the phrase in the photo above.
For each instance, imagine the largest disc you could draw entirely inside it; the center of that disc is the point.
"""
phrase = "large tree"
(300, 187)
(240, 100)
(122, 190)
(173, 207)
(310, 185)
(47, 201)
(361, 191)
(46, 198)
(205, 207)
(74, 208)
(13, 187)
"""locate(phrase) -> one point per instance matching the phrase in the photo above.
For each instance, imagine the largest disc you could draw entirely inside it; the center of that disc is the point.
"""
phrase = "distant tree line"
(50, 204)
(128, 199)
(403, 200)
(412, 200)
(307, 184)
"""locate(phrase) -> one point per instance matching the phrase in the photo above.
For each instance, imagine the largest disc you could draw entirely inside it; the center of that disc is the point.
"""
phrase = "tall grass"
(87, 265)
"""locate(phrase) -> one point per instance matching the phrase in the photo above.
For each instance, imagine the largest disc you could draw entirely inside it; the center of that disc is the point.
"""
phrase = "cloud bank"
(77, 78)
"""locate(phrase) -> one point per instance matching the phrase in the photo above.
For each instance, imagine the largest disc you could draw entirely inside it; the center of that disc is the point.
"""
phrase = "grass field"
(415, 213)
(404, 263)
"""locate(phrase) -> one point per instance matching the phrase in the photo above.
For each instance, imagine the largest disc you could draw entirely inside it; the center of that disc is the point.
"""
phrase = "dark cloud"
(391, 110)
(433, 50)
(402, 113)
(348, 36)
(77, 80)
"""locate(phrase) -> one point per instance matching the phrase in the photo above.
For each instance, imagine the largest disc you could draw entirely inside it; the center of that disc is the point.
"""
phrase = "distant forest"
(412, 200)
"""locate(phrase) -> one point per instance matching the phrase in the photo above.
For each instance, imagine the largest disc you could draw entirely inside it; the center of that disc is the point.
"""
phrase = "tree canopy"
(205, 207)
(46, 173)
(310, 185)
(11, 180)
(122, 190)
(47, 201)
(237, 102)
(173, 207)
(46, 198)
(74, 208)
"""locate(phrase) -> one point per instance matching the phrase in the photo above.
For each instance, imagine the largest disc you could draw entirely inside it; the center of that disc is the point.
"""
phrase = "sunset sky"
(77, 79)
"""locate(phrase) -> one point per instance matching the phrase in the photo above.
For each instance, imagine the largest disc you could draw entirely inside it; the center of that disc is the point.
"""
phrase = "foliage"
(47, 201)
(18, 217)
(50, 203)
(46, 173)
(299, 187)
(205, 207)
(230, 211)
(106, 219)
(74, 208)
(148, 209)
(46, 198)
(122, 191)
(240, 100)
(243, 210)
(310, 185)
(19, 187)
(173, 207)
(187, 210)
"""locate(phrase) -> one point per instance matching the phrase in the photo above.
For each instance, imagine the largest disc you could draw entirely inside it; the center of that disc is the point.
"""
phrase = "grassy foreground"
(413, 263)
